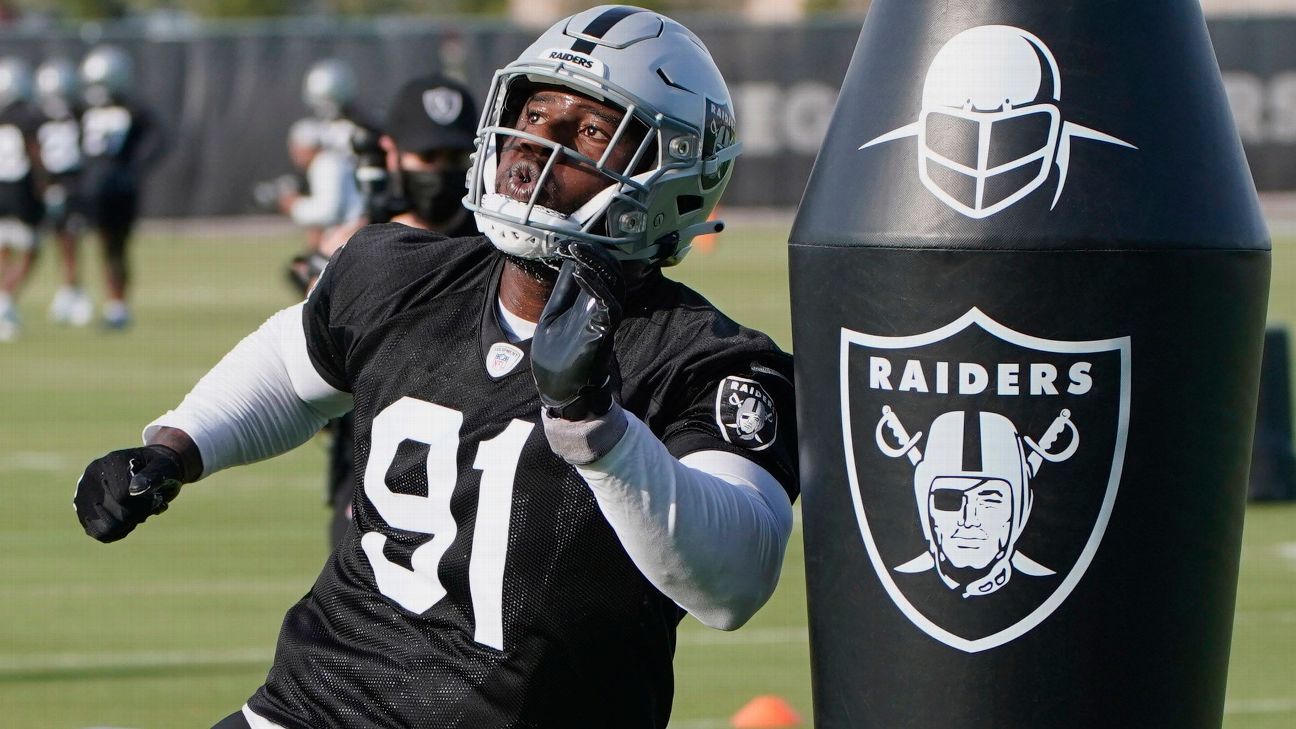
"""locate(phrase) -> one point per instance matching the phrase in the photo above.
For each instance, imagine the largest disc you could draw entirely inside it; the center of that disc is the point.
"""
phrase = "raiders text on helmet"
(329, 86)
(106, 75)
(665, 80)
(15, 81)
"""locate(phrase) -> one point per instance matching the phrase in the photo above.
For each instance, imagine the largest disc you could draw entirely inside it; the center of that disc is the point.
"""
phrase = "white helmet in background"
(329, 87)
(15, 81)
(56, 79)
(106, 75)
(663, 77)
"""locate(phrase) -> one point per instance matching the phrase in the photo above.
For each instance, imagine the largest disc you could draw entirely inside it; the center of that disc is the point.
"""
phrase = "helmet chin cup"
(500, 218)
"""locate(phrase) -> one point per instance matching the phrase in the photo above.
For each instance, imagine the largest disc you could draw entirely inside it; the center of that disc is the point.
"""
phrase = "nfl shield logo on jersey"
(984, 465)
(502, 359)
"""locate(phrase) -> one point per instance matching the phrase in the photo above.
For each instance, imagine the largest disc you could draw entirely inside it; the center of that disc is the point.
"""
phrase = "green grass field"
(174, 627)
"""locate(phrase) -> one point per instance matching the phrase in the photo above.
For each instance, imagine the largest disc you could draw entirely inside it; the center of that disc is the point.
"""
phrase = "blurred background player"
(59, 136)
(414, 174)
(329, 197)
(320, 145)
(20, 206)
(120, 140)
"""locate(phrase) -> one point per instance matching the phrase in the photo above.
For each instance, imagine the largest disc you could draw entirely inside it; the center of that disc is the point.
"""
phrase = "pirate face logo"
(979, 504)
(442, 104)
(990, 127)
(745, 413)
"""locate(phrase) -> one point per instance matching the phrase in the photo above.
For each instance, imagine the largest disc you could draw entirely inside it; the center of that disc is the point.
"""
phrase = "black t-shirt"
(18, 198)
(118, 141)
(482, 587)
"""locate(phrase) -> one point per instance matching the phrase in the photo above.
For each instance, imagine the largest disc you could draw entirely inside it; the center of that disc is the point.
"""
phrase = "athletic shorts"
(115, 212)
(18, 201)
(64, 210)
(17, 234)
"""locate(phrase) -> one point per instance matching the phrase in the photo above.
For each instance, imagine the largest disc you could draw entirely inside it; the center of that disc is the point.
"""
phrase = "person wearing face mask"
(413, 174)
(430, 130)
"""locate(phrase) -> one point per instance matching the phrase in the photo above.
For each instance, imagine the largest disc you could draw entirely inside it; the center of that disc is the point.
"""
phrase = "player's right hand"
(122, 489)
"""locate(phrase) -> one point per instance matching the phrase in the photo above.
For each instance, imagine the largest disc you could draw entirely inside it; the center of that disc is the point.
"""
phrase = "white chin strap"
(497, 219)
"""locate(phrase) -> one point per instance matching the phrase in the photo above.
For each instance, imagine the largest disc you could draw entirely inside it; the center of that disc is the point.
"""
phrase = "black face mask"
(433, 196)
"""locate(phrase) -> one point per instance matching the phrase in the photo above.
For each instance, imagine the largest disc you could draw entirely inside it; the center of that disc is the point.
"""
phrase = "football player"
(320, 145)
(120, 141)
(20, 206)
(553, 467)
(60, 152)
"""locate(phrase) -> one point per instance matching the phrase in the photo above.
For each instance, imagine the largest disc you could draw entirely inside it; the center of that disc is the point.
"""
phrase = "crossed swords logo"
(1016, 478)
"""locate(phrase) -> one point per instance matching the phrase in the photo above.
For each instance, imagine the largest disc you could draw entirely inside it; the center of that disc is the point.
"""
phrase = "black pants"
(233, 721)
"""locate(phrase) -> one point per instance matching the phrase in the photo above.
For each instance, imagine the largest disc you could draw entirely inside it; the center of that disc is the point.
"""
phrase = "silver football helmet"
(15, 81)
(329, 86)
(56, 79)
(663, 77)
(106, 75)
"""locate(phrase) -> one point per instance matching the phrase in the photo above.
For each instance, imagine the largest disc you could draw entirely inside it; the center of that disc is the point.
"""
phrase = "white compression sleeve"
(708, 530)
(262, 399)
(328, 175)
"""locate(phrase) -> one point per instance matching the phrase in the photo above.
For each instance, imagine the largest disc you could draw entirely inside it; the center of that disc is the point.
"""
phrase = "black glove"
(122, 489)
(571, 353)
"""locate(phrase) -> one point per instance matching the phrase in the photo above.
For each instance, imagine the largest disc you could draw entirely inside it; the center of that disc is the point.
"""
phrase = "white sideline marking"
(139, 659)
(10, 665)
(1287, 550)
(1260, 706)
(185, 588)
(34, 461)
(1282, 617)
(746, 636)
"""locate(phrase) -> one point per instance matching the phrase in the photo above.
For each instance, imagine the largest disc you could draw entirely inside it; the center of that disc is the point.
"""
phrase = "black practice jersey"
(18, 197)
(118, 142)
(59, 135)
(480, 586)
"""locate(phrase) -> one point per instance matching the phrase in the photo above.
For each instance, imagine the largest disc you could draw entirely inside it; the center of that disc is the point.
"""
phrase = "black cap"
(432, 112)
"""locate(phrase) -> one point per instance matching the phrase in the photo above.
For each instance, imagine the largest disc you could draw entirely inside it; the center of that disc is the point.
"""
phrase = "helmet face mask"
(106, 75)
(15, 81)
(328, 88)
(56, 81)
(657, 201)
(982, 164)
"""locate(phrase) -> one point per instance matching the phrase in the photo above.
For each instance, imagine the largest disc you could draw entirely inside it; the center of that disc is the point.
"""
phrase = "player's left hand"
(571, 353)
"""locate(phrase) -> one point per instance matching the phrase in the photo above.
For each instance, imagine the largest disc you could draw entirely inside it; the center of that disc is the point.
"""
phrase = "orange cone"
(765, 712)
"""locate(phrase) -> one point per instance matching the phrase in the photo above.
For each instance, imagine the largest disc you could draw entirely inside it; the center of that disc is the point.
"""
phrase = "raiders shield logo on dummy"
(984, 465)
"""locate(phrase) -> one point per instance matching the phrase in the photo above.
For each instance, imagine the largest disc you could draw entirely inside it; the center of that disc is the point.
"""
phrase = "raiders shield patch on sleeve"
(745, 413)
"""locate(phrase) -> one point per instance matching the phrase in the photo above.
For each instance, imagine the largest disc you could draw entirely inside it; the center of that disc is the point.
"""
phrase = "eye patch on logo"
(745, 413)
